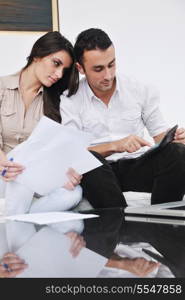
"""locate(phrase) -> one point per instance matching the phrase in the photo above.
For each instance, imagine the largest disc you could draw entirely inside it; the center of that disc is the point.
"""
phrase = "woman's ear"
(35, 59)
(80, 68)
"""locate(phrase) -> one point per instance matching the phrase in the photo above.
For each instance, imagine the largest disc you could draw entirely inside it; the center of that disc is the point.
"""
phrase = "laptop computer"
(158, 220)
(166, 213)
(168, 138)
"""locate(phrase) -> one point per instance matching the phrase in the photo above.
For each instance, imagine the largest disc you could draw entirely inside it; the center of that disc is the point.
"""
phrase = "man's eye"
(98, 70)
(112, 65)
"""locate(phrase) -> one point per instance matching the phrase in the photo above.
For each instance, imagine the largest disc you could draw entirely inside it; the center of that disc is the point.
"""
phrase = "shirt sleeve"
(151, 114)
(70, 113)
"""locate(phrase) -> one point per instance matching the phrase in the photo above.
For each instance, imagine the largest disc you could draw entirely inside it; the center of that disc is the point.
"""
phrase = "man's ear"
(80, 68)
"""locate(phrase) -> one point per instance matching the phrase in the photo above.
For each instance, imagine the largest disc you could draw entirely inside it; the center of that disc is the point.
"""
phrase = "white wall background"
(149, 36)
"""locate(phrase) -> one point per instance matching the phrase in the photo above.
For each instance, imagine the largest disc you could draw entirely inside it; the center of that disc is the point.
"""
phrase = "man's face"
(99, 69)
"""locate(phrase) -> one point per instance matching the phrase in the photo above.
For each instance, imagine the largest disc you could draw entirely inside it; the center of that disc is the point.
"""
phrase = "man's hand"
(179, 136)
(129, 144)
(138, 266)
(74, 179)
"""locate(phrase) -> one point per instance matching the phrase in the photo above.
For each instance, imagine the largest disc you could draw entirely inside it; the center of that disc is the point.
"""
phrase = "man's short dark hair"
(91, 39)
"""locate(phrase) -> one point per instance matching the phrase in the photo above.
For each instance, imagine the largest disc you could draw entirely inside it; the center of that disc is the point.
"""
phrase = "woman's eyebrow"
(58, 59)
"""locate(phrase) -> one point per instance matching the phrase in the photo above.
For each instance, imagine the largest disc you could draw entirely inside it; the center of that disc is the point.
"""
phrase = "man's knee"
(173, 158)
(177, 150)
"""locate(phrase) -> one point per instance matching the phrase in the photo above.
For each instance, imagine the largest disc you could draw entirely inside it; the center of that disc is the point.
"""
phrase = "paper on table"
(47, 255)
(50, 217)
(49, 152)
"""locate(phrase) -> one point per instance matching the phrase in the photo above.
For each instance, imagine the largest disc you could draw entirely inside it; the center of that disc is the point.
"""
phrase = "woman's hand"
(78, 243)
(9, 169)
(74, 179)
(11, 265)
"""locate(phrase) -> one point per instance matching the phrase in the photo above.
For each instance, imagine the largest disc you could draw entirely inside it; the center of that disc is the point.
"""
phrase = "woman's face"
(49, 69)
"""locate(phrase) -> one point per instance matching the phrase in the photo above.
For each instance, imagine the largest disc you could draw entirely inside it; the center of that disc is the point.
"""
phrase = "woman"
(33, 92)
(28, 95)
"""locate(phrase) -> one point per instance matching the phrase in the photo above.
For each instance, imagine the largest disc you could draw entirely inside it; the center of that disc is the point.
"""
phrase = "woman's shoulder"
(2, 86)
(9, 80)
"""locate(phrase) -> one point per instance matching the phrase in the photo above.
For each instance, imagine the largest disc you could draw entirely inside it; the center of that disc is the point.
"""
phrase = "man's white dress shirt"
(132, 107)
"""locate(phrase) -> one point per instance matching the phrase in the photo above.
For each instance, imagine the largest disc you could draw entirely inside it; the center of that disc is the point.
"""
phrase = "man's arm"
(151, 114)
(129, 144)
(159, 137)
(179, 136)
(105, 149)
(138, 266)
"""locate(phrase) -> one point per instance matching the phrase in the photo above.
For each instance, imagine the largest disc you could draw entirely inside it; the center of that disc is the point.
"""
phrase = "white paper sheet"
(50, 217)
(47, 254)
(49, 152)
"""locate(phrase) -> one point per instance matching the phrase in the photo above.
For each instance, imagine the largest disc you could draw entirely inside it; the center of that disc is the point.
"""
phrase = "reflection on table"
(106, 246)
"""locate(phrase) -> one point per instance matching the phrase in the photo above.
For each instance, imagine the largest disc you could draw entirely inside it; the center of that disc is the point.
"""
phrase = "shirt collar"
(117, 89)
(40, 90)
(89, 91)
(91, 95)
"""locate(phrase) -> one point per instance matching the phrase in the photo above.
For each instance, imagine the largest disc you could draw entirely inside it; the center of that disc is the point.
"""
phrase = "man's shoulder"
(136, 86)
(79, 95)
(129, 81)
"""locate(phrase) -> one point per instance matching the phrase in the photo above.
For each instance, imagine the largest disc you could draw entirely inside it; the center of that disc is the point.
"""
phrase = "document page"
(47, 254)
(49, 152)
(50, 217)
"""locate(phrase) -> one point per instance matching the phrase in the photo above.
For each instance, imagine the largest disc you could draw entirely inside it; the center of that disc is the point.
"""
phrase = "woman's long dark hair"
(50, 43)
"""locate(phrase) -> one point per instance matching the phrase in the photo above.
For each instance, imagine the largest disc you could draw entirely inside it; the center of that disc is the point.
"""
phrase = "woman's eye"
(56, 63)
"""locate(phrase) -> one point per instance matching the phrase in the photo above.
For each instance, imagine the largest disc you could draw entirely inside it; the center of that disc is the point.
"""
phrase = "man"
(116, 109)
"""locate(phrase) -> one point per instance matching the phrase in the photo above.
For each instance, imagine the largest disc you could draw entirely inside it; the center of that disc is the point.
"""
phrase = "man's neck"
(105, 96)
